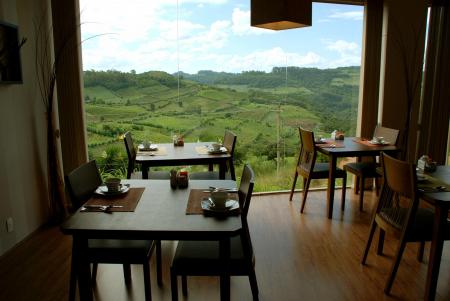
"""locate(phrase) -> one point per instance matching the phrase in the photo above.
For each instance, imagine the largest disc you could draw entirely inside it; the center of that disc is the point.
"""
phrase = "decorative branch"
(412, 79)
(46, 64)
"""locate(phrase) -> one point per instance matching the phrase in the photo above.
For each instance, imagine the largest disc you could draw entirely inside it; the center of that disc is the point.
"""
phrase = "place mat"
(128, 200)
(161, 151)
(194, 204)
(330, 144)
(203, 150)
(367, 142)
(431, 184)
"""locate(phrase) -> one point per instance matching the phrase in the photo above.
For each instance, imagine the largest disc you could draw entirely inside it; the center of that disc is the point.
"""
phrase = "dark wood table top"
(160, 214)
(179, 155)
(354, 148)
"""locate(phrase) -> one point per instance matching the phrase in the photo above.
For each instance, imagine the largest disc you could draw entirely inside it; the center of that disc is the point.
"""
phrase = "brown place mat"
(430, 184)
(367, 142)
(161, 151)
(128, 200)
(194, 204)
(201, 150)
(330, 143)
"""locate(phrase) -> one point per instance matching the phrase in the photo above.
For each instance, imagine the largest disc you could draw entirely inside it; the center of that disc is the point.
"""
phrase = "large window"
(196, 68)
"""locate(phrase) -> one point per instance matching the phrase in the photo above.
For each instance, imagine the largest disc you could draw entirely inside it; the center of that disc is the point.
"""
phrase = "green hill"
(248, 103)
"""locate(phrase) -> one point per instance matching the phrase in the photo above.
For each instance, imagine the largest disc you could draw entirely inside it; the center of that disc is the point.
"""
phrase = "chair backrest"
(229, 141)
(245, 196)
(307, 156)
(246, 189)
(82, 182)
(131, 153)
(390, 135)
(398, 201)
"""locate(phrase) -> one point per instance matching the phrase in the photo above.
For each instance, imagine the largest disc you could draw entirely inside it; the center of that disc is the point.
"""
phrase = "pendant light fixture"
(281, 14)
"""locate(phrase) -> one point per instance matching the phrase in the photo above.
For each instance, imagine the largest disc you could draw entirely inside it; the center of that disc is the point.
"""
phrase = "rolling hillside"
(247, 103)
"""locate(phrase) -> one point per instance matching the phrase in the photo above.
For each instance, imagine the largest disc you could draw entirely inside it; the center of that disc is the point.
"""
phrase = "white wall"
(23, 188)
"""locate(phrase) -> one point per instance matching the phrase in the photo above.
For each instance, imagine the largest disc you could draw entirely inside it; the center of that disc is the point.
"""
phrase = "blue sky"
(212, 35)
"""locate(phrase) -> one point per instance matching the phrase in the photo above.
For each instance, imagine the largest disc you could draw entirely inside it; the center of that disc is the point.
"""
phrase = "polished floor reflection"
(298, 256)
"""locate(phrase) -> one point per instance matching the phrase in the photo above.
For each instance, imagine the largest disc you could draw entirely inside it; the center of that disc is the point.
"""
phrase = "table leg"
(437, 243)
(144, 171)
(330, 192)
(225, 277)
(222, 169)
(83, 268)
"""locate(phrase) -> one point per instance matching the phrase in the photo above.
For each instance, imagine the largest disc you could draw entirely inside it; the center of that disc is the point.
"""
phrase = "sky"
(216, 35)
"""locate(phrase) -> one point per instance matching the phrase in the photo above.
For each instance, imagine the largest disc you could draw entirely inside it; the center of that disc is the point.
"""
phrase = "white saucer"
(152, 147)
(378, 143)
(230, 205)
(103, 190)
(222, 150)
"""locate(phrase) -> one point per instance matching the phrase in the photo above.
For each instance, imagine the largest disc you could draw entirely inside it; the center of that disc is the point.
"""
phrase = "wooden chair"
(131, 153)
(368, 169)
(201, 258)
(229, 142)
(81, 183)
(308, 169)
(398, 212)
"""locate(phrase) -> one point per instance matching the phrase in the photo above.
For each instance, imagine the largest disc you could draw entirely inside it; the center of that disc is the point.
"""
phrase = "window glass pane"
(260, 84)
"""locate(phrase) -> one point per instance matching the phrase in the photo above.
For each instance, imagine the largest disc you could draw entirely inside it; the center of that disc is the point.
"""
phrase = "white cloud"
(348, 15)
(349, 53)
(241, 23)
(343, 47)
(265, 60)
(201, 2)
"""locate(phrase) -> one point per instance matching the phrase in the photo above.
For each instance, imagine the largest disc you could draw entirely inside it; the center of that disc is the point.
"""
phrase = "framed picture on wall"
(10, 65)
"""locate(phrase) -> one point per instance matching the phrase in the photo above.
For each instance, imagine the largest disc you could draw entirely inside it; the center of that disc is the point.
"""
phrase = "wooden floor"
(305, 257)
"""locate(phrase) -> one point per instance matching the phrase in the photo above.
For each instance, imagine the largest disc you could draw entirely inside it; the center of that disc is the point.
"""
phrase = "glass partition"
(197, 68)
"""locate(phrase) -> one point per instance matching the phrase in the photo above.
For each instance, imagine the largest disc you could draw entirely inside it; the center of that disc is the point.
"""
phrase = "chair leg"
(420, 251)
(344, 189)
(380, 242)
(73, 277)
(253, 284)
(373, 227)
(293, 186)
(127, 273)
(306, 183)
(94, 272)
(147, 283)
(173, 285)
(361, 193)
(184, 285)
(232, 172)
(158, 263)
(377, 186)
(398, 257)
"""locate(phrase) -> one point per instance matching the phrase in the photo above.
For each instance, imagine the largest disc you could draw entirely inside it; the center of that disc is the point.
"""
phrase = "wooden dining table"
(189, 154)
(349, 147)
(160, 215)
(440, 200)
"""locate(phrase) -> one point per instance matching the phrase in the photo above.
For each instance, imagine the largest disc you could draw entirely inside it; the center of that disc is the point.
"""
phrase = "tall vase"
(56, 196)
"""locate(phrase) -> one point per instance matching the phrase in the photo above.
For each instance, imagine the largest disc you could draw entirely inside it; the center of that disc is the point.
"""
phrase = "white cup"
(216, 146)
(219, 198)
(379, 139)
(146, 144)
(113, 184)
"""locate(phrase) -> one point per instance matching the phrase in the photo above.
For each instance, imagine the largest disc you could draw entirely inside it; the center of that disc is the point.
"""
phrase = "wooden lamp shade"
(281, 14)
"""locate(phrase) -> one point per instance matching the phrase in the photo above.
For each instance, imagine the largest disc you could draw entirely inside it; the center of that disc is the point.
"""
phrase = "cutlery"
(434, 189)
(102, 208)
(212, 188)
